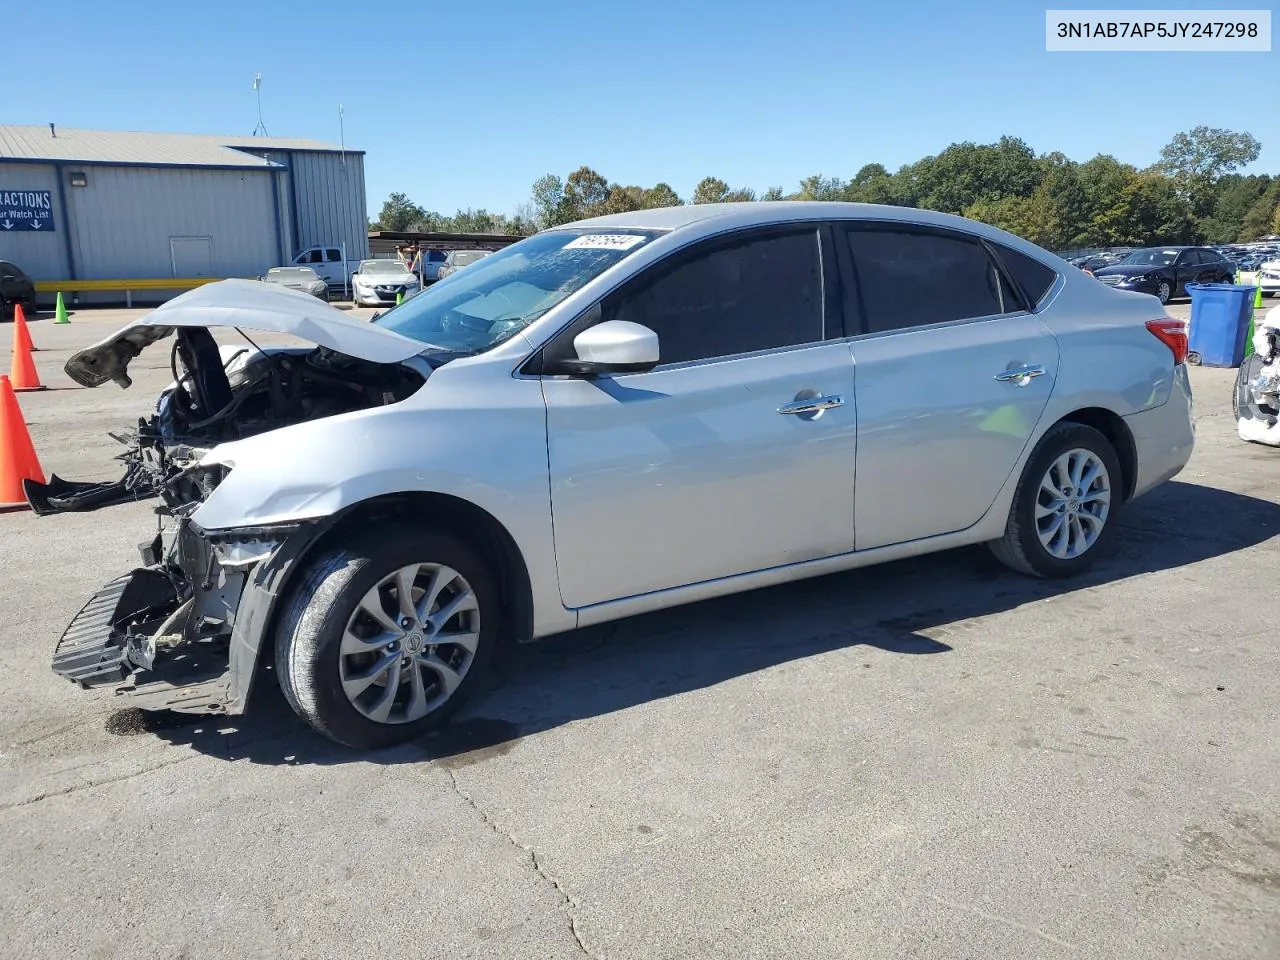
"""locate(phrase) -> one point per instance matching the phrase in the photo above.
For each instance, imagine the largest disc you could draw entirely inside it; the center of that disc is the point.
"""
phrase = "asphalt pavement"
(934, 758)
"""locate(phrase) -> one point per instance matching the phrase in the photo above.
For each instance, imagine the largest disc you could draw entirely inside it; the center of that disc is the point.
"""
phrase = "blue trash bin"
(1220, 314)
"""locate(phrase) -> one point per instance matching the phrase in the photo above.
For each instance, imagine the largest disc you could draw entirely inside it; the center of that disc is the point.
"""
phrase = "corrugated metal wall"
(39, 254)
(328, 189)
(126, 216)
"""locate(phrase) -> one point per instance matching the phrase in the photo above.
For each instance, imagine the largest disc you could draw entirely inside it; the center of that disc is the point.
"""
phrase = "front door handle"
(813, 405)
(1020, 376)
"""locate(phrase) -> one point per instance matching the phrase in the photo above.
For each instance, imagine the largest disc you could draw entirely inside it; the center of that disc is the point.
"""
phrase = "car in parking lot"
(15, 288)
(455, 260)
(610, 417)
(1164, 272)
(381, 281)
(298, 278)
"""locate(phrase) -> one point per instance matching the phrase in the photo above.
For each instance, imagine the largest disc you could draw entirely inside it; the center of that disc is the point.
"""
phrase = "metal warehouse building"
(87, 209)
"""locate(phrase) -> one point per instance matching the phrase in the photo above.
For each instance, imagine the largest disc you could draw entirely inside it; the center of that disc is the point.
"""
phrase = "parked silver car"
(298, 278)
(455, 260)
(608, 418)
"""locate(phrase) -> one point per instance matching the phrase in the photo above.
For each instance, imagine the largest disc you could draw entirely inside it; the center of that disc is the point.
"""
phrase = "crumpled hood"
(241, 303)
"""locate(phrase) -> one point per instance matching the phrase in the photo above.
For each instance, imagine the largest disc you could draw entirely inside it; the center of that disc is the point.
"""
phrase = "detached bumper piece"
(69, 496)
(86, 653)
(107, 643)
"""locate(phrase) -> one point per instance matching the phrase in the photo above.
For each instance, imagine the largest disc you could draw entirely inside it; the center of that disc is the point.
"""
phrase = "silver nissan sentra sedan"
(609, 417)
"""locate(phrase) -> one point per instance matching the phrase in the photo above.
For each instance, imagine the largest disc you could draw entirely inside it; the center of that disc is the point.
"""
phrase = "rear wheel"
(386, 638)
(1065, 506)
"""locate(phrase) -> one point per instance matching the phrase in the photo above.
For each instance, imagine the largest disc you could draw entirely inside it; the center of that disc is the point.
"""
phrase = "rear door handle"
(1020, 376)
(814, 405)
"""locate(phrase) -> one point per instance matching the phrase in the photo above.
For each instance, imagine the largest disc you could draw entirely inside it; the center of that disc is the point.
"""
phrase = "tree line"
(1192, 194)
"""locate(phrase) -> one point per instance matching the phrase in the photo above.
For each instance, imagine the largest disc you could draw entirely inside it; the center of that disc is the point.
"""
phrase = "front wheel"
(1164, 291)
(1065, 506)
(386, 638)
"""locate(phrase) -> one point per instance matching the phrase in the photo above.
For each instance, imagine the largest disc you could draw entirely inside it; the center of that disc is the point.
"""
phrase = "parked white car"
(607, 418)
(1269, 278)
(455, 260)
(381, 281)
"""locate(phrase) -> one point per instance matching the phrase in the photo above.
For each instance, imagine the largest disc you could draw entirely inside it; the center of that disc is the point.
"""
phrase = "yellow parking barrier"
(128, 286)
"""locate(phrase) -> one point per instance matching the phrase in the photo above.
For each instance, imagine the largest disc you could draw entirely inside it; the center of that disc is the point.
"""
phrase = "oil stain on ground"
(466, 742)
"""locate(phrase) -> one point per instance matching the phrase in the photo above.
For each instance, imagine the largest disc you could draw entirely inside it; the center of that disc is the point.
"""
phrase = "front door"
(735, 454)
(953, 376)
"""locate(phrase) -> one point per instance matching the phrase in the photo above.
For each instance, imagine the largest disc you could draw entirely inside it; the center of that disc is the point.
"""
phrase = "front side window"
(335, 256)
(909, 278)
(756, 294)
(499, 295)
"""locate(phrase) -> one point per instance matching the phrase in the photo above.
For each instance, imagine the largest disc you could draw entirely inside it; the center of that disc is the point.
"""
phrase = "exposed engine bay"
(224, 394)
(1257, 392)
(167, 632)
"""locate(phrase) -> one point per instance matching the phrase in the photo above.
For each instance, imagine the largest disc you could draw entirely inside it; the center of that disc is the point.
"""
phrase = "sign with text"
(26, 210)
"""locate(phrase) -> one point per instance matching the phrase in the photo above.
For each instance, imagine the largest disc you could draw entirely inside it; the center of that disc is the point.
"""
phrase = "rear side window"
(756, 294)
(1032, 276)
(909, 278)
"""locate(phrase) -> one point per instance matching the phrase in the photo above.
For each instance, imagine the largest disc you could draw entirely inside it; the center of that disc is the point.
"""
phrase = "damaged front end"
(183, 630)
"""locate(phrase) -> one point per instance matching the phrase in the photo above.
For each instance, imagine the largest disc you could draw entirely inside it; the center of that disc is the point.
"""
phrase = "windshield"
(480, 307)
(463, 257)
(292, 273)
(1153, 257)
(383, 266)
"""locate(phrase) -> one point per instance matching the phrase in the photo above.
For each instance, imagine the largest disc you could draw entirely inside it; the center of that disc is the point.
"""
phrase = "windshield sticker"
(604, 241)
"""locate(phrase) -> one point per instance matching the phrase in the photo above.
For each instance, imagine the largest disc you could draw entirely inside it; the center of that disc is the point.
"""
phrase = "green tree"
(661, 195)
(1261, 220)
(548, 201)
(966, 173)
(1235, 196)
(623, 199)
(818, 187)
(871, 184)
(1196, 159)
(710, 190)
(399, 214)
(741, 195)
(773, 193)
(585, 195)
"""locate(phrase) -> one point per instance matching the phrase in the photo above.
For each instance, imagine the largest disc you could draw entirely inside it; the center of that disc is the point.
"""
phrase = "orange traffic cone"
(23, 369)
(20, 331)
(17, 454)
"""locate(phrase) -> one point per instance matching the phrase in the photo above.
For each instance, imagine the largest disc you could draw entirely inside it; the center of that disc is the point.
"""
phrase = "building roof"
(39, 143)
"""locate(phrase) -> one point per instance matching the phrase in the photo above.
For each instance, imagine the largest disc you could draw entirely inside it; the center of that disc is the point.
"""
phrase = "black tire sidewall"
(1064, 437)
(309, 641)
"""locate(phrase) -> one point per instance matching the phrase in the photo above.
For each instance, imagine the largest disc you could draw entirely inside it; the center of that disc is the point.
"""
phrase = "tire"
(1244, 406)
(329, 607)
(1164, 291)
(1021, 548)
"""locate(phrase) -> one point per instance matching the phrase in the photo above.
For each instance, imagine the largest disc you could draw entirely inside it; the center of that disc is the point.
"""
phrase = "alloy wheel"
(1073, 503)
(409, 643)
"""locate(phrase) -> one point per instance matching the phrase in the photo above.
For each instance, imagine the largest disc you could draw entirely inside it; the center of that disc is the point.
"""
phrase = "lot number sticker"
(604, 241)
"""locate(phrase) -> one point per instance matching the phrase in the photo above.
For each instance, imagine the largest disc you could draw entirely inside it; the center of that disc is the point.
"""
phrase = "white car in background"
(1269, 277)
(457, 259)
(379, 282)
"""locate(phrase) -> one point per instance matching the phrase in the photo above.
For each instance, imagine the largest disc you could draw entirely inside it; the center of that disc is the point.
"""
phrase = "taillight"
(1173, 334)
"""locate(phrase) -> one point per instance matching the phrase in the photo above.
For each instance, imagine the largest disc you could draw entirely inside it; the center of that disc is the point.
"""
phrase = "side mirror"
(616, 346)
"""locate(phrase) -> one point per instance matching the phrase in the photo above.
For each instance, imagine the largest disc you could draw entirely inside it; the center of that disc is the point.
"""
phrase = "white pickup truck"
(327, 262)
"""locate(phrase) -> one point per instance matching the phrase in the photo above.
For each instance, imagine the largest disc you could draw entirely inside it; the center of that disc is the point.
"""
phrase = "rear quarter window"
(1032, 276)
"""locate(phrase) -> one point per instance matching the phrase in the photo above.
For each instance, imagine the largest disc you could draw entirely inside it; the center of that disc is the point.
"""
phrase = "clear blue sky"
(466, 103)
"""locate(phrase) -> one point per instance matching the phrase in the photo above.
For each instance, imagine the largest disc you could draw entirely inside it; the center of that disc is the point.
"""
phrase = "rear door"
(734, 454)
(953, 375)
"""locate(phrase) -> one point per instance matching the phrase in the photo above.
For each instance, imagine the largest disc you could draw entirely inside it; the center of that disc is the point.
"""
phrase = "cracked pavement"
(930, 759)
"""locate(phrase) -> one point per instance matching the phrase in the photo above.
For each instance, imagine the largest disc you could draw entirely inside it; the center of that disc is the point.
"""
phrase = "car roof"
(757, 212)
(710, 218)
